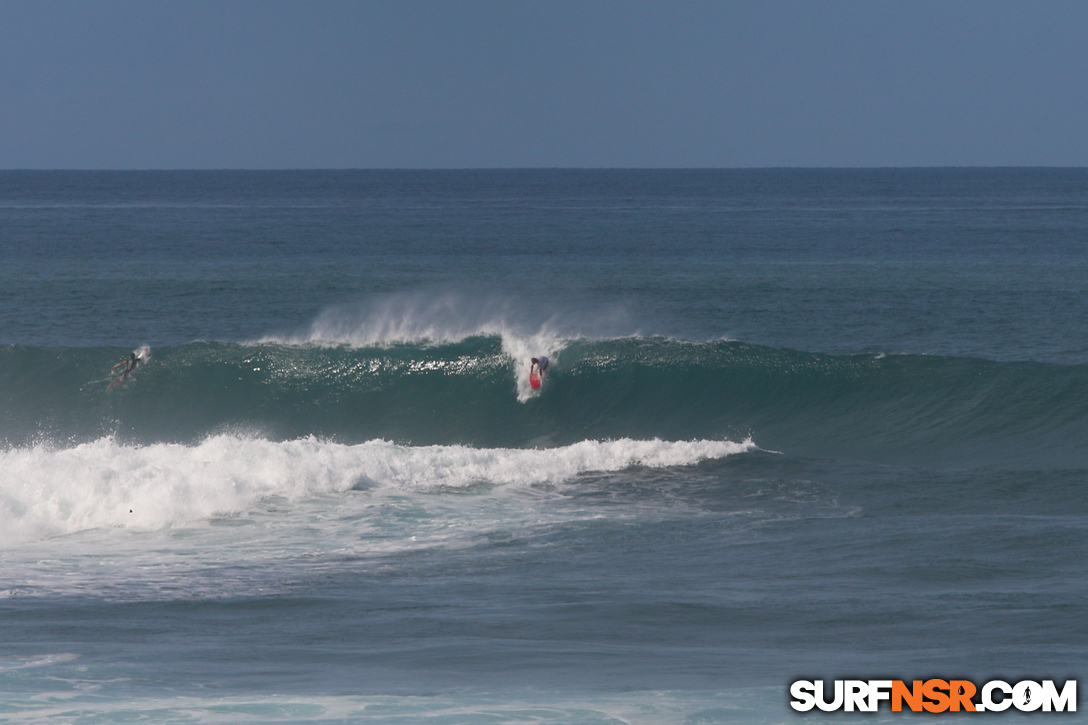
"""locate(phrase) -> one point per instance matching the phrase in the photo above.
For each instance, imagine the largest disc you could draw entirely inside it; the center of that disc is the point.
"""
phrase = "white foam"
(22, 663)
(467, 705)
(45, 491)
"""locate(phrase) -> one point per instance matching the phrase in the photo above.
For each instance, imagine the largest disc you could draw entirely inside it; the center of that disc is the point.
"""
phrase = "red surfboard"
(534, 381)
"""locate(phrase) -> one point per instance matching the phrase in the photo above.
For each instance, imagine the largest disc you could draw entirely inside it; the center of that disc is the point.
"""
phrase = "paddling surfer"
(129, 364)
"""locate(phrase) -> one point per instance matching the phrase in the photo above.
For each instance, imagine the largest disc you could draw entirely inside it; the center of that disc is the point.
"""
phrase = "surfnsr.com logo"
(935, 696)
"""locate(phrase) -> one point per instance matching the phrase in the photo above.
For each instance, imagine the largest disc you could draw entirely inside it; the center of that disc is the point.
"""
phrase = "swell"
(897, 408)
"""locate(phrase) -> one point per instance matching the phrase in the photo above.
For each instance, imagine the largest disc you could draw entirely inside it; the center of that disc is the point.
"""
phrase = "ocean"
(798, 424)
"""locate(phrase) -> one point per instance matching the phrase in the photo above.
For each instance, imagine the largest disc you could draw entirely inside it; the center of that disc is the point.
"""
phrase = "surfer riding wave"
(537, 368)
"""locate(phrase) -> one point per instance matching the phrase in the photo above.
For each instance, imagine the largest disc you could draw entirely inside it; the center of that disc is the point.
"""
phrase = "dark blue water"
(797, 423)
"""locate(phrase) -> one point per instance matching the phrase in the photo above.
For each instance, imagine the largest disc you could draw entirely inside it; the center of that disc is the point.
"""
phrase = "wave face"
(903, 408)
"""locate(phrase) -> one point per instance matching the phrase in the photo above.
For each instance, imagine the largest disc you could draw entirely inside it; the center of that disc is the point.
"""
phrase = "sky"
(118, 84)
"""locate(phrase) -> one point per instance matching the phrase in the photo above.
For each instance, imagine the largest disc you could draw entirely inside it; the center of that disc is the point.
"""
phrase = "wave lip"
(47, 492)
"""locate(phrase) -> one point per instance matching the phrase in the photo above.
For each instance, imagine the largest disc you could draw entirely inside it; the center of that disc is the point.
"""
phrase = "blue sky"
(404, 84)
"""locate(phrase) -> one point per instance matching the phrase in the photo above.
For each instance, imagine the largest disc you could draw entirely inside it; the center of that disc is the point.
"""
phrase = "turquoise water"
(798, 424)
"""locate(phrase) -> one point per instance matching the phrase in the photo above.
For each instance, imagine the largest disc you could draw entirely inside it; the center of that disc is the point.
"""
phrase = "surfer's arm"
(123, 362)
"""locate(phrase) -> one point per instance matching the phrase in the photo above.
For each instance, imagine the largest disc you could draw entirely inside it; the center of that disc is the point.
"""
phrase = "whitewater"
(50, 492)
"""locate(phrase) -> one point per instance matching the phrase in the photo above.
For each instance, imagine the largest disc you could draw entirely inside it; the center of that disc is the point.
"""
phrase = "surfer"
(538, 365)
(130, 364)
(536, 371)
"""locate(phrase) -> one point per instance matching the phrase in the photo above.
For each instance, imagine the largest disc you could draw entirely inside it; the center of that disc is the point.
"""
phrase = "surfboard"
(534, 380)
